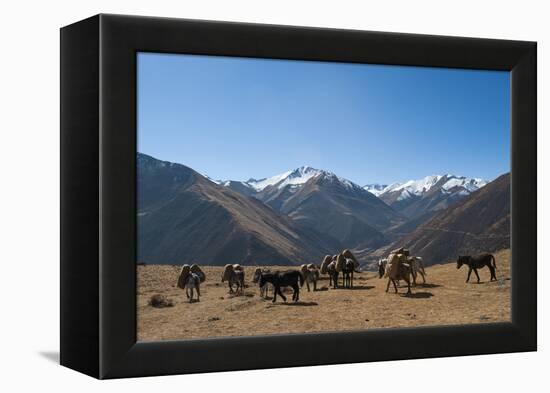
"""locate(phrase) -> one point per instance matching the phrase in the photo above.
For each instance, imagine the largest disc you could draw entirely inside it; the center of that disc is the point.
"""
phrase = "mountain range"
(296, 216)
(414, 198)
(480, 222)
(183, 217)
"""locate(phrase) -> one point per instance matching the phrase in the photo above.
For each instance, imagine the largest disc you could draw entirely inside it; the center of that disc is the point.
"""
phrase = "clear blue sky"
(236, 118)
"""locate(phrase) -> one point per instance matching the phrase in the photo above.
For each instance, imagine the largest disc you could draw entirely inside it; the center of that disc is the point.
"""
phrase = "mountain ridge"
(183, 217)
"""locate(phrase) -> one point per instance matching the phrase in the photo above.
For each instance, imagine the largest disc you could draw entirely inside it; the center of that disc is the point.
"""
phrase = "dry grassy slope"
(445, 300)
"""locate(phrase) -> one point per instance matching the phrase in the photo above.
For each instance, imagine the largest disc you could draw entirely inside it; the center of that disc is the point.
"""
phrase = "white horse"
(264, 291)
(417, 267)
(193, 282)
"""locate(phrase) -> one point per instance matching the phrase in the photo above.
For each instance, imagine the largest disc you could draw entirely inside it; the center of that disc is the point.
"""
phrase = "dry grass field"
(445, 300)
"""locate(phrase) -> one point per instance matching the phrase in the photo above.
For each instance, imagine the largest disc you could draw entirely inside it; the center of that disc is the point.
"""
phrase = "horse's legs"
(187, 292)
(388, 286)
(395, 286)
(191, 297)
(493, 273)
(423, 278)
(408, 280)
(469, 273)
(230, 286)
(475, 271)
(307, 284)
(274, 293)
(281, 294)
(198, 293)
(352, 278)
(296, 294)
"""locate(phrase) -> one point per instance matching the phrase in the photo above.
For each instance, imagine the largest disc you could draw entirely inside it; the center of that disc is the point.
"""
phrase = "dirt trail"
(445, 300)
(465, 233)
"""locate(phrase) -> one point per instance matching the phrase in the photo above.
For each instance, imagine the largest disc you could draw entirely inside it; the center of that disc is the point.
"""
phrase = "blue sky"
(237, 118)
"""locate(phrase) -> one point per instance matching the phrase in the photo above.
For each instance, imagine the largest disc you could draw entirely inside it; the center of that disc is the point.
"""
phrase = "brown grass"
(445, 300)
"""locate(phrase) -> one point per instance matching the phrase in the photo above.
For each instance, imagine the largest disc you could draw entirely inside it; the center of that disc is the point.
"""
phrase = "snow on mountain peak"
(295, 178)
(447, 183)
(469, 185)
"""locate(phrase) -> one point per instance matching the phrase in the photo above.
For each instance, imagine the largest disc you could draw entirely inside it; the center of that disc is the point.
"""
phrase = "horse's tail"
(494, 261)
(301, 276)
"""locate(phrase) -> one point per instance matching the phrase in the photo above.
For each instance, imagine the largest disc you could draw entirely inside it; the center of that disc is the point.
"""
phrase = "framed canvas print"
(296, 196)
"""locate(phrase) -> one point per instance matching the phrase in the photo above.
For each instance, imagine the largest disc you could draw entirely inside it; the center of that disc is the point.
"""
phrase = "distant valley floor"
(445, 300)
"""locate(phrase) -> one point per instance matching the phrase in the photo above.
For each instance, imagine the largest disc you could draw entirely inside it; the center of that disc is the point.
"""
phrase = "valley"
(301, 215)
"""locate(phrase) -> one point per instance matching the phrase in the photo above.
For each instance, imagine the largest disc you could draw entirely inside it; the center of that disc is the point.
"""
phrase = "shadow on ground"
(299, 303)
(355, 287)
(418, 295)
(427, 285)
(52, 356)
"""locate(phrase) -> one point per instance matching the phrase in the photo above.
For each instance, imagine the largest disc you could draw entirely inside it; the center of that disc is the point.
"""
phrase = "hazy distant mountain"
(183, 217)
(375, 189)
(480, 222)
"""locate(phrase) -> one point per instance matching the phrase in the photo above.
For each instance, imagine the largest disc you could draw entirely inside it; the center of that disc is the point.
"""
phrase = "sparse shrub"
(160, 301)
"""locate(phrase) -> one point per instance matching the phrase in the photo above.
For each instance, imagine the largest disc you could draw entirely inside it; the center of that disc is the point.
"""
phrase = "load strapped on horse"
(398, 268)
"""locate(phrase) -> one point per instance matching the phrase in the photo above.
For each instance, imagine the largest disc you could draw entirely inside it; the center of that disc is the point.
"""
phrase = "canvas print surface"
(281, 196)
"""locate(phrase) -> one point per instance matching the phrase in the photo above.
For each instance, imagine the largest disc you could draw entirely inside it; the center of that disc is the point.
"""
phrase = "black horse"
(289, 278)
(347, 272)
(478, 262)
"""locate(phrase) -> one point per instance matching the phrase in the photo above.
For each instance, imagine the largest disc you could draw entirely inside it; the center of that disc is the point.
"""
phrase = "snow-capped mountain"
(431, 193)
(446, 183)
(375, 189)
(289, 181)
(325, 202)
(294, 178)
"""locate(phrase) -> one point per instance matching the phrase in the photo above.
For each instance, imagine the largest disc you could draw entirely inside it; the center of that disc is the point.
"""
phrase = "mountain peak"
(446, 183)
(293, 177)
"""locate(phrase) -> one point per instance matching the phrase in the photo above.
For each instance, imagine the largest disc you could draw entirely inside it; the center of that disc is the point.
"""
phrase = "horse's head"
(257, 275)
(263, 279)
(461, 261)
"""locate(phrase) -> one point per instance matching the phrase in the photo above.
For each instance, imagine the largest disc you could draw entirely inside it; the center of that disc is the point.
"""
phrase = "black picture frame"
(98, 195)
